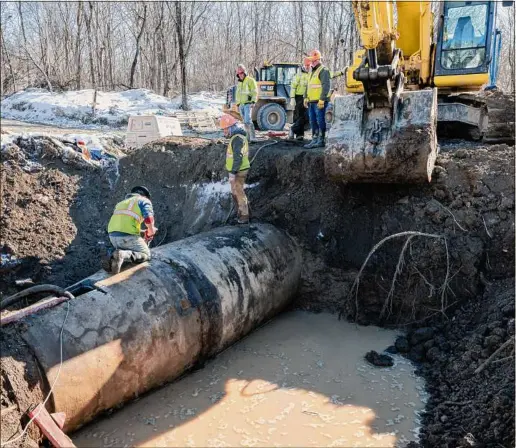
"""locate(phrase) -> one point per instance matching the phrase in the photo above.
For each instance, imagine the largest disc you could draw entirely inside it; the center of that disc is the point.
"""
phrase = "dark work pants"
(300, 117)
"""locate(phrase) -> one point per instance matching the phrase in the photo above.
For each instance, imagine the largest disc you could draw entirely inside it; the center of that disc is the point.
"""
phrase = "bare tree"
(141, 18)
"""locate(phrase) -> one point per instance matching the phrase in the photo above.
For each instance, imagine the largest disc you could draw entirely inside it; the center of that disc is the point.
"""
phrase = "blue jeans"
(134, 247)
(317, 117)
(245, 111)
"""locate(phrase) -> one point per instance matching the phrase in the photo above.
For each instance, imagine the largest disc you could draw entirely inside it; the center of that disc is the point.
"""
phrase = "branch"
(497, 351)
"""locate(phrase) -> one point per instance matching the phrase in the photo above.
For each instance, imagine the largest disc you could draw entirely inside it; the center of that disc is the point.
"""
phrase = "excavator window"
(464, 37)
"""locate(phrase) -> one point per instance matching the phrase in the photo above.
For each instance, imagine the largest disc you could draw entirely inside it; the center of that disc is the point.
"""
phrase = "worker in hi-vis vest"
(125, 232)
(246, 95)
(237, 164)
(297, 96)
(316, 99)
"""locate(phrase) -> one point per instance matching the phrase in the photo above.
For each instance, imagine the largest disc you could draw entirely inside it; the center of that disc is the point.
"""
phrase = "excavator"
(403, 82)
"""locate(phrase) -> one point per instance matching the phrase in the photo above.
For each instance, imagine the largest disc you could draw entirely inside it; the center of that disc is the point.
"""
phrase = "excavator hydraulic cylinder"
(151, 323)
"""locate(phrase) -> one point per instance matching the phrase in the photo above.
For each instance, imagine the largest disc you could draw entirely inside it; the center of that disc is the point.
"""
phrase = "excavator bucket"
(383, 145)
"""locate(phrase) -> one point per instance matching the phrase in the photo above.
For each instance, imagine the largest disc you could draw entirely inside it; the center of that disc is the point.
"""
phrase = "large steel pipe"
(152, 322)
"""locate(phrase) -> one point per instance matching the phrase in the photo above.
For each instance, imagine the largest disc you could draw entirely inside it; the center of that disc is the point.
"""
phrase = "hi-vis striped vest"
(314, 86)
(127, 217)
(245, 154)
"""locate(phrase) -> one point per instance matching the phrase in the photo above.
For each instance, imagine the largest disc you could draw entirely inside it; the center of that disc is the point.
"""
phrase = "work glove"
(305, 102)
(149, 233)
(232, 177)
(320, 104)
(293, 102)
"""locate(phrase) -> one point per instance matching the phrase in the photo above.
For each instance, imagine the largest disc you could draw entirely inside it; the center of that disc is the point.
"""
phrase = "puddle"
(301, 380)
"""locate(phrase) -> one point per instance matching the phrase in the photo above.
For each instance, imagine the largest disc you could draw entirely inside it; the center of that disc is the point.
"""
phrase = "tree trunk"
(22, 24)
(78, 63)
(181, 49)
(137, 52)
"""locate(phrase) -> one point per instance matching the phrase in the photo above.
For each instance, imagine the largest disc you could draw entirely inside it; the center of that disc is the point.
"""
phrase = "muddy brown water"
(300, 380)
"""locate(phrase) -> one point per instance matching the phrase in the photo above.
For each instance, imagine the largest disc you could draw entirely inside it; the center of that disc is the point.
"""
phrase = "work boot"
(243, 220)
(117, 260)
(253, 134)
(105, 261)
(300, 138)
(320, 142)
(311, 144)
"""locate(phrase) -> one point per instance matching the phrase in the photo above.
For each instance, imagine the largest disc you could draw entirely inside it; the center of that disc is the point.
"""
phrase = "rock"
(378, 360)
(432, 207)
(402, 344)
(492, 342)
(429, 344)
(460, 154)
(508, 310)
(433, 354)
(443, 418)
(421, 335)
(498, 332)
(391, 349)
(417, 353)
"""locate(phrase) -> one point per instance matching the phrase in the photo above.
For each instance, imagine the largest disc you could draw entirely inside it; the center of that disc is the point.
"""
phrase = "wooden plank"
(49, 427)
(38, 306)
(59, 418)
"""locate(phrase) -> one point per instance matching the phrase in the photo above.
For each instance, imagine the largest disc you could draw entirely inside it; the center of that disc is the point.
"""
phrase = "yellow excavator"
(403, 81)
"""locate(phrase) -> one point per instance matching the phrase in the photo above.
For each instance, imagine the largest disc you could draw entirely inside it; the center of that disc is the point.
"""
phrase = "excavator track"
(488, 116)
(382, 146)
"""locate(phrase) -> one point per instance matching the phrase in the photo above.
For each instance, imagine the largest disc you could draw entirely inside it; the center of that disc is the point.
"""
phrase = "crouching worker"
(237, 164)
(124, 230)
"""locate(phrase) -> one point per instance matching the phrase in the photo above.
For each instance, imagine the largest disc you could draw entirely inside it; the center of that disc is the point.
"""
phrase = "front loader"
(272, 109)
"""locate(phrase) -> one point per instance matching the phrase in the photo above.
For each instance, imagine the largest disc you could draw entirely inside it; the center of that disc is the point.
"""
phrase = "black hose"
(15, 298)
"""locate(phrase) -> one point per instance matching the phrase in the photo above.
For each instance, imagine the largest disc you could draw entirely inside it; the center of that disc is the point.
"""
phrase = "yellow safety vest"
(245, 154)
(314, 90)
(247, 91)
(299, 83)
(127, 217)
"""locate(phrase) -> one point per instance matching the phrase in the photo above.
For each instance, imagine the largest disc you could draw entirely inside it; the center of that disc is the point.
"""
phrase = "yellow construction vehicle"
(272, 110)
(403, 81)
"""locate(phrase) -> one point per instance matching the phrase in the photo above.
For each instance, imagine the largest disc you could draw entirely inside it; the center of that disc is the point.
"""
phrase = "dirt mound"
(48, 194)
(472, 399)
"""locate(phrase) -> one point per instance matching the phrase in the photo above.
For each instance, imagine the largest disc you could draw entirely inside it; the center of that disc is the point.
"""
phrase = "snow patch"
(74, 108)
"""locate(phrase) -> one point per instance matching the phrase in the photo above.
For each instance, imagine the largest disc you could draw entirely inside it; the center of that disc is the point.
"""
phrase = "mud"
(469, 205)
(291, 383)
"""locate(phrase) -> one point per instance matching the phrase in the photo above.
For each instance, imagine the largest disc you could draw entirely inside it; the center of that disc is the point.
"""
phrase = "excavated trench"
(451, 294)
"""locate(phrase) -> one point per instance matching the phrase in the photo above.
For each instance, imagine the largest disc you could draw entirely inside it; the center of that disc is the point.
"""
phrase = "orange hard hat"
(315, 55)
(227, 121)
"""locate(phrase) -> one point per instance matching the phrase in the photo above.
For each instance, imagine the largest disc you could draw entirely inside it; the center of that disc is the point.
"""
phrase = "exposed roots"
(388, 304)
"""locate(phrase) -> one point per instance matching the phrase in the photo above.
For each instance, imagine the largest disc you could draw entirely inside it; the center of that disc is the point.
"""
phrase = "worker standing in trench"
(124, 230)
(237, 164)
(246, 94)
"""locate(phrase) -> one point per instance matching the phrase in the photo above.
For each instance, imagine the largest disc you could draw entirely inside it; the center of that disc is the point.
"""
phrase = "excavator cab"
(466, 45)
(272, 109)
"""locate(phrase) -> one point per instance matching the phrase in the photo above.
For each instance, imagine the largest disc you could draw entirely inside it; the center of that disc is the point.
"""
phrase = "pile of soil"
(55, 221)
(49, 208)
